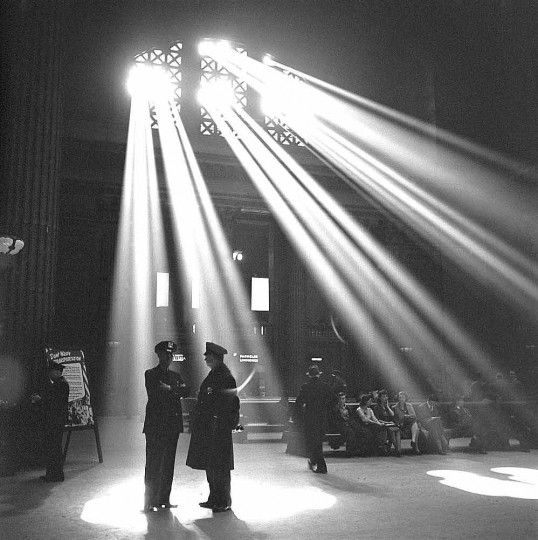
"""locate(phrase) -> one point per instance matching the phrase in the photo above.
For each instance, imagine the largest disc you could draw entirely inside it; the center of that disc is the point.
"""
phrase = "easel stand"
(95, 429)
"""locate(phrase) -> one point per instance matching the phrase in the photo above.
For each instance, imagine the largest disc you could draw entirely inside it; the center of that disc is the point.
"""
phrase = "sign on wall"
(248, 358)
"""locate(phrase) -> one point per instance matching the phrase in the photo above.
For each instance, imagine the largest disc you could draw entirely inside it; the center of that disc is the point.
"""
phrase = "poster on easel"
(80, 412)
(79, 402)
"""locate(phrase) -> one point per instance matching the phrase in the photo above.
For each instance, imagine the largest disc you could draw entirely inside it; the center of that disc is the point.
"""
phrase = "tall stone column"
(297, 307)
(31, 71)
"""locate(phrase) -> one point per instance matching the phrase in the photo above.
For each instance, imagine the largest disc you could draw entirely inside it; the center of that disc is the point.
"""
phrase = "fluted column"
(31, 61)
(297, 346)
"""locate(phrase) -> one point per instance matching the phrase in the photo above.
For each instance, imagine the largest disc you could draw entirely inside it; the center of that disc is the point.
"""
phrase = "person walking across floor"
(54, 398)
(214, 417)
(315, 399)
(162, 426)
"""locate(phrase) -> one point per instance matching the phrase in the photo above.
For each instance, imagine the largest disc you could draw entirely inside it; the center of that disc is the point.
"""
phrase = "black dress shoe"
(206, 504)
(218, 509)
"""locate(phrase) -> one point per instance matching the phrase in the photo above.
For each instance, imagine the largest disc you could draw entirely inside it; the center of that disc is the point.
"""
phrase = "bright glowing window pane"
(214, 72)
(278, 129)
(259, 300)
(163, 287)
(170, 60)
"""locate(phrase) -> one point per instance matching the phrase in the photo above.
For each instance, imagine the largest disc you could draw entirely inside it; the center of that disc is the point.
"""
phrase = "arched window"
(212, 72)
(170, 60)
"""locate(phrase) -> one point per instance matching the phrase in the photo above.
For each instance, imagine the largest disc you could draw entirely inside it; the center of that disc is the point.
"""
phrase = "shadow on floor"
(164, 525)
(227, 526)
(30, 493)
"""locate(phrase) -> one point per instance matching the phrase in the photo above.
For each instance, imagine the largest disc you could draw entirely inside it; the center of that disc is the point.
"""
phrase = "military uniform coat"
(214, 417)
(163, 411)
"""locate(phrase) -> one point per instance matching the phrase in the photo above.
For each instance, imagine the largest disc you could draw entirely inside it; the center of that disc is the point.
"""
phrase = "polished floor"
(275, 495)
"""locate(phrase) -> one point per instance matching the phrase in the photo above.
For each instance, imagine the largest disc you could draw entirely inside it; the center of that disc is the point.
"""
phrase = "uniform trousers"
(159, 473)
(219, 481)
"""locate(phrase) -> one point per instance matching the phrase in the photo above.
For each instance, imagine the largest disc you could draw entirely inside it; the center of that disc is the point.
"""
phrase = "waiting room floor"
(276, 496)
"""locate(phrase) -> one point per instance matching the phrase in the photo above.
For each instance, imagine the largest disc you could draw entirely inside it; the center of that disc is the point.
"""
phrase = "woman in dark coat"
(215, 415)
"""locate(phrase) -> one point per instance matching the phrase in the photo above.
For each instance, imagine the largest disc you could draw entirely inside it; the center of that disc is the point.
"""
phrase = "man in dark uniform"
(315, 399)
(54, 398)
(215, 416)
(162, 426)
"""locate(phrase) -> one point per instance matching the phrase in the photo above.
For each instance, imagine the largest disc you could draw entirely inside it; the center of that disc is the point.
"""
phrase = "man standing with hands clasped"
(162, 426)
(215, 416)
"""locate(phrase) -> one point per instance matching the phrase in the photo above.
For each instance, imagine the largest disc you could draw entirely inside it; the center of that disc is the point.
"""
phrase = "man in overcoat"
(314, 400)
(54, 398)
(215, 416)
(162, 426)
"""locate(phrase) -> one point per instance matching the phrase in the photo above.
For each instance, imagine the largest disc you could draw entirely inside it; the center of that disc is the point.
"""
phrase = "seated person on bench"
(346, 425)
(463, 425)
(386, 415)
(429, 419)
(406, 420)
(373, 432)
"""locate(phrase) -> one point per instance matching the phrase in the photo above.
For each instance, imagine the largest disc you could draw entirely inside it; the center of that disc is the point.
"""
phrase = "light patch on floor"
(521, 483)
(264, 501)
(119, 507)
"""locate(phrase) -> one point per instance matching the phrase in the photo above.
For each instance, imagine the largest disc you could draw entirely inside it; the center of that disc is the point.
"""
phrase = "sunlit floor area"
(275, 495)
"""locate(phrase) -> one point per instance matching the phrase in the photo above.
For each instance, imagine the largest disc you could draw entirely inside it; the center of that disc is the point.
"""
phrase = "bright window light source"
(211, 47)
(217, 93)
(260, 294)
(206, 47)
(271, 105)
(163, 287)
(268, 60)
(149, 79)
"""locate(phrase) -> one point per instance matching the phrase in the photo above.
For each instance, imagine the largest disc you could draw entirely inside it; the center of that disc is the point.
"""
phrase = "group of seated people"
(376, 428)
(373, 428)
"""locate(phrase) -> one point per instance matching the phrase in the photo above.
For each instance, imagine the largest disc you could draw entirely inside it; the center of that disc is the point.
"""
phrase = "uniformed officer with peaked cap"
(215, 416)
(162, 426)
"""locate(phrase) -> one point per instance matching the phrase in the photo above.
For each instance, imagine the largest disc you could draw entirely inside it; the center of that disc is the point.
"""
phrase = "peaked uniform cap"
(213, 348)
(166, 346)
(313, 371)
